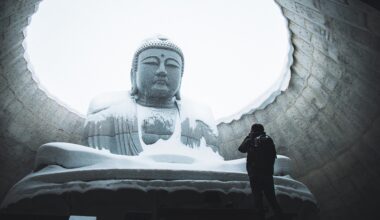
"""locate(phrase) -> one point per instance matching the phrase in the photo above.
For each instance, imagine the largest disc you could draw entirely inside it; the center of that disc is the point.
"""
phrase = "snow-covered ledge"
(67, 173)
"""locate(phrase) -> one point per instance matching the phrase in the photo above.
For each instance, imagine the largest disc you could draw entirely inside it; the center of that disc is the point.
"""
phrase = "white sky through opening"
(235, 50)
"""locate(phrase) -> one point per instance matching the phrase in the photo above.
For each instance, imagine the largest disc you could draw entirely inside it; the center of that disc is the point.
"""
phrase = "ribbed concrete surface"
(328, 121)
(28, 117)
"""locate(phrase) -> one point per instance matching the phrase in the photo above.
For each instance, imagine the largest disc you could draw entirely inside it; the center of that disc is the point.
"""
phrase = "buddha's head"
(157, 70)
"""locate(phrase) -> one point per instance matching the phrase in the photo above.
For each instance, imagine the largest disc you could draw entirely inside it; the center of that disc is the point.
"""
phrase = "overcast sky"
(234, 50)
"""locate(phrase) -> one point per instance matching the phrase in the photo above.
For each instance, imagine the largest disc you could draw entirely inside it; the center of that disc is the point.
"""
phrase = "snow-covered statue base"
(71, 179)
(146, 150)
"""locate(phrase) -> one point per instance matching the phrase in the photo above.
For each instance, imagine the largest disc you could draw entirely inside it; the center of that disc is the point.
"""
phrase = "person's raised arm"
(244, 145)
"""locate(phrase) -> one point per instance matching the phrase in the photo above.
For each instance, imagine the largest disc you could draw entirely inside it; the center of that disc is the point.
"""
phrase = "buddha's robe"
(112, 124)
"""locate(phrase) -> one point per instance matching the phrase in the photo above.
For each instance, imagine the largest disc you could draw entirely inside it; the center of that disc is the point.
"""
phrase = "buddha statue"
(126, 122)
(144, 149)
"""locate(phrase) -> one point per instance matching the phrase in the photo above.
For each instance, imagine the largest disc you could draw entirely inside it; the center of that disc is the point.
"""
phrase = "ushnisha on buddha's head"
(156, 73)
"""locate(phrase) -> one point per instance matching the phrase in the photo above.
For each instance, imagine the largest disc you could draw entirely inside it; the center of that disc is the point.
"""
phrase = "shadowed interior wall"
(327, 121)
(28, 117)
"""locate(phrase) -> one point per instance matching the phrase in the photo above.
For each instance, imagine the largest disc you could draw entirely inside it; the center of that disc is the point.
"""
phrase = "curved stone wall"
(28, 117)
(327, 121)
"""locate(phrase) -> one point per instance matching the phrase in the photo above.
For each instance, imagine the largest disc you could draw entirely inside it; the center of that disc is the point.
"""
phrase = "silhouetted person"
(261, 154)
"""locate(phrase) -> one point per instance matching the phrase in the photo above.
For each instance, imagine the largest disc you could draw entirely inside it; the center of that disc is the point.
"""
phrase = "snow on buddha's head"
(157, 69)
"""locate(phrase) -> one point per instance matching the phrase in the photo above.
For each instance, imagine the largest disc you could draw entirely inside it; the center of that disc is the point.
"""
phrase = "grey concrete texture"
(327, 121)
(28, 116)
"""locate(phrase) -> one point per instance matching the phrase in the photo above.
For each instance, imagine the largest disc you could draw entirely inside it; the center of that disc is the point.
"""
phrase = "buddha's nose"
(161, 71)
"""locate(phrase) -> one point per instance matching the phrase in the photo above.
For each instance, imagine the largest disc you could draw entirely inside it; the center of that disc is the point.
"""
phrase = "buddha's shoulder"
(107, 100)
(196, 110)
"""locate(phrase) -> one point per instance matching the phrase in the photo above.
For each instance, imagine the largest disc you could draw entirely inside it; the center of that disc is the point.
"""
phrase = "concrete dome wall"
(28, 117)
(327, 121)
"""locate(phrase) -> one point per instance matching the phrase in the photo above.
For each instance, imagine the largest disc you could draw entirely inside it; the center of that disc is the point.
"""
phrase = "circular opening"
(235, 51)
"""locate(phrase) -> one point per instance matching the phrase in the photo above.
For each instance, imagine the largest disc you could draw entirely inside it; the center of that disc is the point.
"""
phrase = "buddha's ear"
(134, 90)
(178, 94)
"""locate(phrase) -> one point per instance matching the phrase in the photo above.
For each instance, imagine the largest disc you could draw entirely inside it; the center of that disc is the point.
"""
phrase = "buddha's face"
(158, 73)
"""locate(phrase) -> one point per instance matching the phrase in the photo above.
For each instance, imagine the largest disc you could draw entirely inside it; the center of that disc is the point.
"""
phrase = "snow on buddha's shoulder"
(106, 100)
(197, 111)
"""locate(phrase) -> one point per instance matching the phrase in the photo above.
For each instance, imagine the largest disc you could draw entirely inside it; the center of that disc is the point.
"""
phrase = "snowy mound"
(66, 168)
(158, 157)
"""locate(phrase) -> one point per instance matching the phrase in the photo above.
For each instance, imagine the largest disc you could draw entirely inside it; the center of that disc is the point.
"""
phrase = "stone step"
(163, 214)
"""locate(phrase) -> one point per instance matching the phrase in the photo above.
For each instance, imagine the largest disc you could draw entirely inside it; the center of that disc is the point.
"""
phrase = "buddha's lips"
(161, 81)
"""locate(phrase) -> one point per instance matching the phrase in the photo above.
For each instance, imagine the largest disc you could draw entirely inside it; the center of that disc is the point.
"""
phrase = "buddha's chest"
(155, 124)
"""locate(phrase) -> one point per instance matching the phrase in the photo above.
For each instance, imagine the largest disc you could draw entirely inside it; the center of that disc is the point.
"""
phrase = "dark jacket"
(261, 153)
